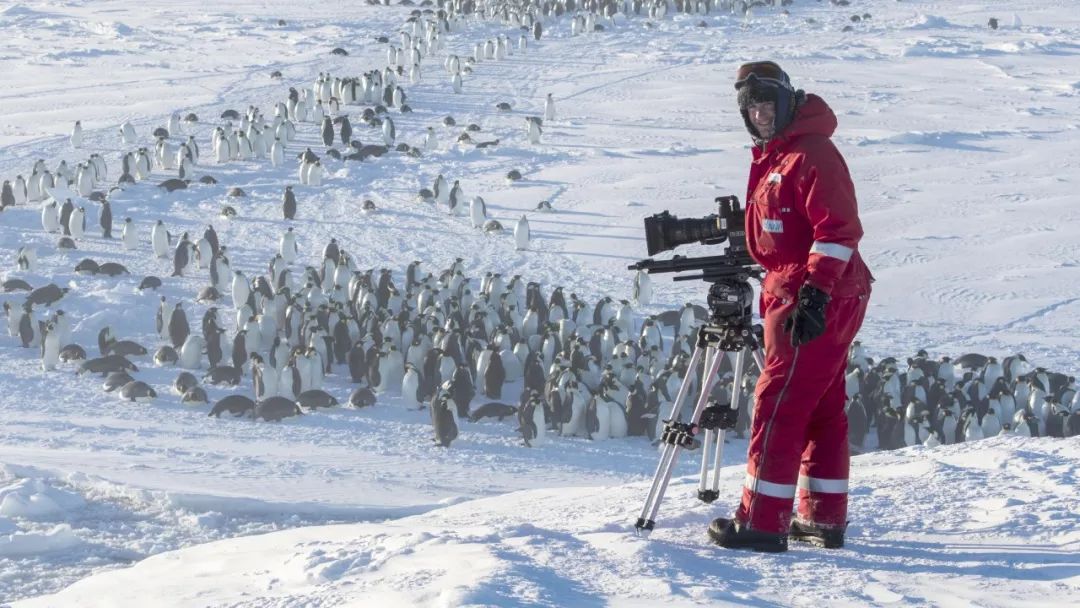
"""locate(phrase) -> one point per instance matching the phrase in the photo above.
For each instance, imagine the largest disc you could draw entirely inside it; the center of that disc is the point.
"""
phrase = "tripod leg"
(713, 359)
(736, 395)
(662, 477)
(706, 441)
(669, 455)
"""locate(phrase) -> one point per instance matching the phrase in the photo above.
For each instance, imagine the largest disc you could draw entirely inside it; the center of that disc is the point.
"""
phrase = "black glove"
(808, 320)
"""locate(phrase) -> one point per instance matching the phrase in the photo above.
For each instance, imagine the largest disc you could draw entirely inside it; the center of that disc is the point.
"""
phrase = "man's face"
(762, 116)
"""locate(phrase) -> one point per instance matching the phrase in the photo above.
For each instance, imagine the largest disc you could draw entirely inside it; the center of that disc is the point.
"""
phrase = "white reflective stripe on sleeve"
(827, 486)
(768, 488)
(833, 250)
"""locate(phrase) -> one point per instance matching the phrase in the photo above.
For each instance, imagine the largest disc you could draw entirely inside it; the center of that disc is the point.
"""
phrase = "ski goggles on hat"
(766, 71)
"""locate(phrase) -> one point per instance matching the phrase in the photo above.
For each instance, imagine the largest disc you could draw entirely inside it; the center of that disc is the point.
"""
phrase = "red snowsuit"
(802, 224)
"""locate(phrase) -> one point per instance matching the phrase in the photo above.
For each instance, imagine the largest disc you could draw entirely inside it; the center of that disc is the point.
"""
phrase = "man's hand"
(808, 320)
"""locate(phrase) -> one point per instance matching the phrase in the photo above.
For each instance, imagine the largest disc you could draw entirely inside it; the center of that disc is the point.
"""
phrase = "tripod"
(723, 334)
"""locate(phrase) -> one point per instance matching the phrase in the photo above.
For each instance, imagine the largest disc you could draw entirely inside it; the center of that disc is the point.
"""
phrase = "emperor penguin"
(431, 141)
(50, 347)
(27, 259)
(277, 153)
(327, 131)
(77, 222)
(391, 369)
(50, 216)
(127, 134)
(642, 288)
(182, 256)
(389, 133)
(19, 194)
(410, 387)
(105, 219)
(84, 180)
(521, 234)
(477, 212)
(533, 129)
(159, 240)
(177, 328)
(77, 135)
(191, 352)
(288, 204)
(315, 174)
(549, 108)
(455, 82)
(287, 247)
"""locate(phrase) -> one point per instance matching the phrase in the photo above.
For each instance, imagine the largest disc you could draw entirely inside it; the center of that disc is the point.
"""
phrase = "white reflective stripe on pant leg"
(827, 486)
(768, 488)
(832, 250)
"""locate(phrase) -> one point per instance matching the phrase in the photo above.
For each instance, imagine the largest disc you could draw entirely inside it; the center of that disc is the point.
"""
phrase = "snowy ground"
(960, 140)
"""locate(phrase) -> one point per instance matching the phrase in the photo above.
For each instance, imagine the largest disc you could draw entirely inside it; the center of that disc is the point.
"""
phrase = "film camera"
(730, 295)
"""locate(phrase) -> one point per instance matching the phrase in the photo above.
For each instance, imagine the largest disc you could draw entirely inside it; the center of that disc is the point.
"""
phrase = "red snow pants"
(799, 436)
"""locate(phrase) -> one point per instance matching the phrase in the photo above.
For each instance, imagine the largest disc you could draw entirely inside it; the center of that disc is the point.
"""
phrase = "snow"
(961, 143)
(947, 529)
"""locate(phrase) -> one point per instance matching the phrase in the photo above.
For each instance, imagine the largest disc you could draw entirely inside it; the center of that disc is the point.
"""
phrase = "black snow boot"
(827, 538)
(731, 534)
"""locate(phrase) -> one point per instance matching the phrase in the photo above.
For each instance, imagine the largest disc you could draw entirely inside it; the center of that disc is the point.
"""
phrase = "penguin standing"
(533, 130)
(388, 131)
(431, 141)
(178, 328)
(50, 218)
(287, 247)
(77, 222)
(159, 240)
(288, 204)
(50, 347)
(549, 105)
(410, 386)
(521, 234)
(346, 131)
(442, 420)
(127, 134)
(327, 131)
(477, 212)
(494, 376)
(105, 219)
(191, 352)
(77, 135)
(642, 288)
(277, 153)
(182, 256)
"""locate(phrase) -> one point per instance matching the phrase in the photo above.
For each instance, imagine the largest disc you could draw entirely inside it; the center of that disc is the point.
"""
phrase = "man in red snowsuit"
(802, 226)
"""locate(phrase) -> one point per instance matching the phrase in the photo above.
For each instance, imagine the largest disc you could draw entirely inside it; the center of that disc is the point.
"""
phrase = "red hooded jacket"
(802, 220)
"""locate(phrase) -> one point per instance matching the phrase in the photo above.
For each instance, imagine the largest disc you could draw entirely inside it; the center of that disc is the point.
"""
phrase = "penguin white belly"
(410, 383)
(191, 353)
(617, 420)
(511, 366)
(51, 355)
(540, 422)
(603, 419)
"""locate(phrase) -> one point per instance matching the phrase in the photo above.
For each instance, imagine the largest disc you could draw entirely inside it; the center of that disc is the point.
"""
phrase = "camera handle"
(714, 341)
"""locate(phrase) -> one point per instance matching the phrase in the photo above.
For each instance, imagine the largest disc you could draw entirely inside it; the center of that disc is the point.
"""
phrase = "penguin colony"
(464, 349)
(934, 402)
